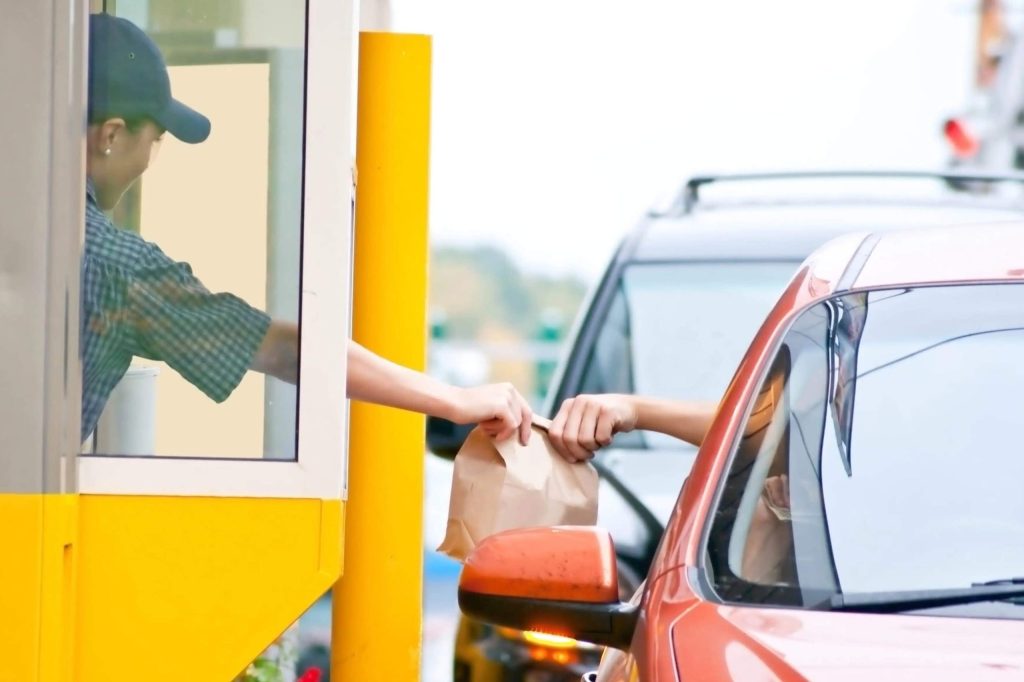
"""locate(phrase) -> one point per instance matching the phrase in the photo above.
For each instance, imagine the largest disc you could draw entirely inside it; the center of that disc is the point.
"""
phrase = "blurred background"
(556, 125)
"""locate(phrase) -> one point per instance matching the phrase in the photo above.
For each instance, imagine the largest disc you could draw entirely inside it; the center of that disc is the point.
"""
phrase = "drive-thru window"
(164, 527)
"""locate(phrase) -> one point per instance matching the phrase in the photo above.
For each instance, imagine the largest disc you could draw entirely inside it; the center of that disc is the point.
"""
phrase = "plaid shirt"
(137, 301)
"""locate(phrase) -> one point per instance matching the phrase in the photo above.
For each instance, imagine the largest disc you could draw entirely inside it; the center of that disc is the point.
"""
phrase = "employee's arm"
(588, 422)
(498, 408)
(278, 355)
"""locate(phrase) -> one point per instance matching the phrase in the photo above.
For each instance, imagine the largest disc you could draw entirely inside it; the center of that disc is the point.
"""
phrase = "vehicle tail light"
(960, 139)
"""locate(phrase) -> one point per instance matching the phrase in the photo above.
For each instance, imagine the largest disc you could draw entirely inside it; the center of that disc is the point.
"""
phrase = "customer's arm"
(588, 422)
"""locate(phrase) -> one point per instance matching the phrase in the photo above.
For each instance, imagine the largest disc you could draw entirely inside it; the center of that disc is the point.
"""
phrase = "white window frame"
(329, 157)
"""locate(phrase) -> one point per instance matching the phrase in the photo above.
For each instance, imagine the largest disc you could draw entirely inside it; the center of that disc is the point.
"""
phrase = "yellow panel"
(176, 588)
(21, 520)
(60, 530)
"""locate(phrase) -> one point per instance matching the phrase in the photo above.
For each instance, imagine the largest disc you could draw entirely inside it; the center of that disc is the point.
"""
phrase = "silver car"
(672, 316)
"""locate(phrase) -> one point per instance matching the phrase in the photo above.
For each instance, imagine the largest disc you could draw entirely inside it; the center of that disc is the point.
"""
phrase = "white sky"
(556, 123)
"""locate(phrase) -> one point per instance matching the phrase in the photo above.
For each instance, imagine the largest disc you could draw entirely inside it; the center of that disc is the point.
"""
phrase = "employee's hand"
(588, 422)
(499, 409)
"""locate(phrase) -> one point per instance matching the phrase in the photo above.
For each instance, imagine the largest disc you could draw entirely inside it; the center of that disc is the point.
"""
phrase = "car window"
(679, 330)
(623, 522)
(882, 453)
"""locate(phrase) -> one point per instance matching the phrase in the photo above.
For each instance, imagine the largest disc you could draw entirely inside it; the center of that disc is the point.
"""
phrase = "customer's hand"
(588, 422)
(499, 409)
(776, 496)
(766, 553)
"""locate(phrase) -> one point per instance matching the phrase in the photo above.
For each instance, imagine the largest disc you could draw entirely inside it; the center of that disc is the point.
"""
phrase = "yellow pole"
(377, 618)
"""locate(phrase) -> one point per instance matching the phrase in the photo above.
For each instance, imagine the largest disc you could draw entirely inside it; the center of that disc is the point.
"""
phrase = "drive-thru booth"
(183, 535)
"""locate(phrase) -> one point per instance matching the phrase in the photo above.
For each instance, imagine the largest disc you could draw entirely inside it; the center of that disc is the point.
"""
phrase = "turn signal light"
(550, 641)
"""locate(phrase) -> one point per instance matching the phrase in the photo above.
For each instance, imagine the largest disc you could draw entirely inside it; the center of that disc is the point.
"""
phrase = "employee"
(136, 301)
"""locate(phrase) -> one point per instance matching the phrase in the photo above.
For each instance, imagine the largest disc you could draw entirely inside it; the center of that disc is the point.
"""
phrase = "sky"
(557, 123)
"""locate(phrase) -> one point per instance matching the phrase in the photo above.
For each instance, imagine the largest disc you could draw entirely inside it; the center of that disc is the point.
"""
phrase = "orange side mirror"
(563, 563)
(559, 580)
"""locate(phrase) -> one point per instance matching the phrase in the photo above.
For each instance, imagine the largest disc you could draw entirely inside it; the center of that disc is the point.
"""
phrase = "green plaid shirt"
(137, 301)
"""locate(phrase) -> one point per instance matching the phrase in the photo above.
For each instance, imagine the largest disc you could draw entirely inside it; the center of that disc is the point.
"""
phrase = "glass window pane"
(887, 460)
(211, 290)
(678, 331)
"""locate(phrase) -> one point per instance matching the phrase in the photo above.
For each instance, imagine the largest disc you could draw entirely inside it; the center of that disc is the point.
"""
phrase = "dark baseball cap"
(128, 78)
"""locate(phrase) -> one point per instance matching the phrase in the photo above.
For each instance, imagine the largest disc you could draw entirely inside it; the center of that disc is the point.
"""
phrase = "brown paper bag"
(503, 485)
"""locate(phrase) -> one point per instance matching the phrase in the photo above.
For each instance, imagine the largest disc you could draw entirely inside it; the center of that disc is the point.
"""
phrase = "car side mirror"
(445, 438)
(561, 580)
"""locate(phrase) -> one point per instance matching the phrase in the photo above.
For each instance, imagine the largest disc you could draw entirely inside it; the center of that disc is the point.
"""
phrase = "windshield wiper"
(911, 600)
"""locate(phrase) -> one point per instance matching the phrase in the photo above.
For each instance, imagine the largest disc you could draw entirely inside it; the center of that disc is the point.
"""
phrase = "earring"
(106, 152)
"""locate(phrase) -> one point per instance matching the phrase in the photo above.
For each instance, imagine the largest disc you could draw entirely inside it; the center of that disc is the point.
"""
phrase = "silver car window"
(679, 330)
(883, 452)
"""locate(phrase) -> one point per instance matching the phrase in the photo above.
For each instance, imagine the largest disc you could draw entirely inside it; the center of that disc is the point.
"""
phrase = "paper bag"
(497, 486)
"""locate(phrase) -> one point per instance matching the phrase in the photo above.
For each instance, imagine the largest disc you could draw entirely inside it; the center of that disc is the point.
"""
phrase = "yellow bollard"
(377, 606)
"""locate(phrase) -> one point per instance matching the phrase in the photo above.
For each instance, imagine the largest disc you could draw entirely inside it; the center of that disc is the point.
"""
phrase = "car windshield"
(883, 452)
(679, 330)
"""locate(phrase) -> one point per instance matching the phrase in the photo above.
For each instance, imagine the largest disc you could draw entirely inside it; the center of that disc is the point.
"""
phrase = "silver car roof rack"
(691, 191)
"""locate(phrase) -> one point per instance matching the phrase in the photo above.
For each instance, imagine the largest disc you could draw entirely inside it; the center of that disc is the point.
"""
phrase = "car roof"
(992, 252)
(792, 230)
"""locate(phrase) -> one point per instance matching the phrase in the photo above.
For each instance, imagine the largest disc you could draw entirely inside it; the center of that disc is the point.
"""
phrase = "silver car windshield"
(679, 330)
(883, 452)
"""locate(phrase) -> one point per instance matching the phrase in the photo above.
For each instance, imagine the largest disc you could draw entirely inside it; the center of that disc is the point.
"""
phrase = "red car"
(855, 511)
